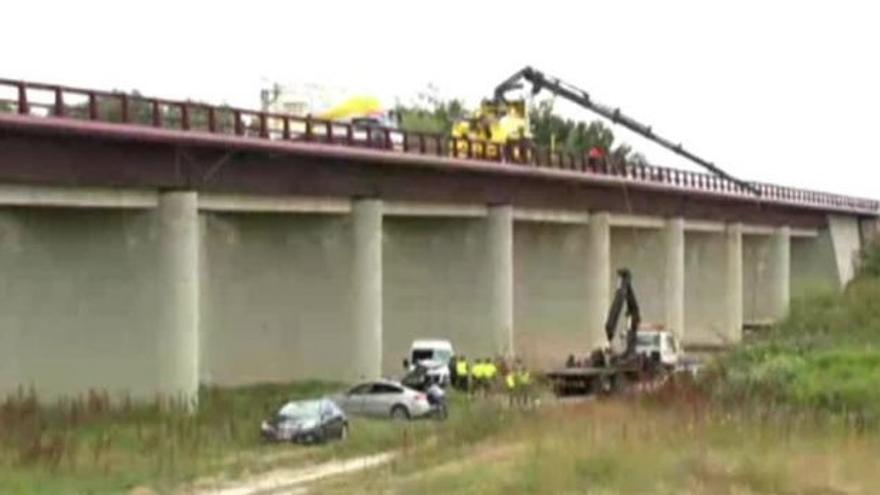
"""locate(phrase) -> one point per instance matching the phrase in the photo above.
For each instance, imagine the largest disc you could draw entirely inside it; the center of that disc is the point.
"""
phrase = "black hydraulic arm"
(624, 295)
(576, 95)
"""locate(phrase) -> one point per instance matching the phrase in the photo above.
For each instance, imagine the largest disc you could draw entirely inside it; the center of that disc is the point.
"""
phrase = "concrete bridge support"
(367, 288)
(674, 276)
(780, 273)
(500, 240)
(177, 327)
(734, 283)
(598, 295)
(165, 291)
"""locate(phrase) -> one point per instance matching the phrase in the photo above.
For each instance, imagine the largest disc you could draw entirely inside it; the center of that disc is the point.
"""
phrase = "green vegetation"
(431, 114)
(637, 446)
(91, 445)
(825, 355)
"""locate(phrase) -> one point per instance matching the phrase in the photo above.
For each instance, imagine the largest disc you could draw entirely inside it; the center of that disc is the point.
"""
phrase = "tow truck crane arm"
(624, 295)
(576, 95)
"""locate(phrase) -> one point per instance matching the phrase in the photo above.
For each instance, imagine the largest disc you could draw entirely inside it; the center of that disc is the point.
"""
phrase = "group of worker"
(485, 375)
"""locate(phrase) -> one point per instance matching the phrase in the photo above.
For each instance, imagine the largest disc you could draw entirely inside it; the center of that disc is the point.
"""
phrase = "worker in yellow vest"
(510, 383)
(491, 374)
(523, 384)
(476, 375)
(462, 372)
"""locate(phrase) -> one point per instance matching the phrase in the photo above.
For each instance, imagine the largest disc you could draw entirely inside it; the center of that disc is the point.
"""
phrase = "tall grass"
(825, 355)
(94, 444)
(677, 441)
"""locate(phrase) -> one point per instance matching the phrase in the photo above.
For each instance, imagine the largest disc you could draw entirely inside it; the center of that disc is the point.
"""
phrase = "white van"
(434, 355)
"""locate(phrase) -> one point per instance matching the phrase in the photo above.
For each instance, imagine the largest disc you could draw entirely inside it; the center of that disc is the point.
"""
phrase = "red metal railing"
(56, 101)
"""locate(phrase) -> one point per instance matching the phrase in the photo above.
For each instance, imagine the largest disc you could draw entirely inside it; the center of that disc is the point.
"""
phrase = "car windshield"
(648, 340)
(440, 355)
(422, 354)
(301, 410)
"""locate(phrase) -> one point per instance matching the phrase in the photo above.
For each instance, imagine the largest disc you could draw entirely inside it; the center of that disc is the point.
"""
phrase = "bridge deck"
(86, 112)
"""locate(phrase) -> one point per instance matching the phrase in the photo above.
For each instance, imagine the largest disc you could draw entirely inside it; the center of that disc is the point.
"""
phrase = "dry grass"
(647, 445)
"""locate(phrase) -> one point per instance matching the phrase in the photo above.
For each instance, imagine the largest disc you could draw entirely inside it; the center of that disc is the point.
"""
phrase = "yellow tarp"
(356, 106)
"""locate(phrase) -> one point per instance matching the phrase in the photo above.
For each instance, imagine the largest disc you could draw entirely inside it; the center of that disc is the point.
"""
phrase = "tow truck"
(647, 355)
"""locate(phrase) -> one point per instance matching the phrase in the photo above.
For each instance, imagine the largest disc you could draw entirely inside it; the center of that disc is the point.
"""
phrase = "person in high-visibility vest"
(510, 383)
(491, 373)
(476, 375)
(523, 381)
(463, 373)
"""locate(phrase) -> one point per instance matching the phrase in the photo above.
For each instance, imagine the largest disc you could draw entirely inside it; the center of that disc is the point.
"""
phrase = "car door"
(383, 396)
(331, 419)
(353, 401)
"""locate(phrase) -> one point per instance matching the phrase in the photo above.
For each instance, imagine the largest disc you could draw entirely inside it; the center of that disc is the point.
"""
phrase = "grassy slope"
(89, 447)
(825, 355)
(636, 447)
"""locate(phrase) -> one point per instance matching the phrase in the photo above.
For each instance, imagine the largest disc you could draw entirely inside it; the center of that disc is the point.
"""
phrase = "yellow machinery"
(354, 108)
(496, 124)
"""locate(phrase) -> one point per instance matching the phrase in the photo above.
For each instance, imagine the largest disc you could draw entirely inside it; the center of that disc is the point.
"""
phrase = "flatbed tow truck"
(648, 355)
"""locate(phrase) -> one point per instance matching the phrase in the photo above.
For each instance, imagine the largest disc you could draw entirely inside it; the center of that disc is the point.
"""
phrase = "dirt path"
(295, 481)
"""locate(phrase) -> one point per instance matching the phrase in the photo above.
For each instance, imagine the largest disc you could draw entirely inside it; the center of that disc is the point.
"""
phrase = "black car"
(306, 421)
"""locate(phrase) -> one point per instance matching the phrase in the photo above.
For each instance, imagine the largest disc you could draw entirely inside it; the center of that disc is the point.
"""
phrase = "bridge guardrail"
(56, 101)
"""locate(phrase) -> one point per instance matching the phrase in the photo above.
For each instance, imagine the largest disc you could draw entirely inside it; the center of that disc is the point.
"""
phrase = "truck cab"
(434, 356)
(660, 346)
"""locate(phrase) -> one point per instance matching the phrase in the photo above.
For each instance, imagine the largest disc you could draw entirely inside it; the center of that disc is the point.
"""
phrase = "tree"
(5, 107)
(552, 131)
(430, 113)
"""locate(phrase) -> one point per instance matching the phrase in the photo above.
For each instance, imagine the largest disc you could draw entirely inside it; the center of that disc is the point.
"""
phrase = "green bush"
(824, 356)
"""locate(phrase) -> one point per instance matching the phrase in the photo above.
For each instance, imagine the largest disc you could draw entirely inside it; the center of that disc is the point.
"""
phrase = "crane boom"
(624, 295)
(576, 95)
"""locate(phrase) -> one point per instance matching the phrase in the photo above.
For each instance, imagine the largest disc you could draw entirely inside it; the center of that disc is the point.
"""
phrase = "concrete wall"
(705, 289)
(813, 265)
(643, 252)
(846, 239)
(551, 311)
(757, 272)
(78, 296)
(86, 294)
(435, 285)
(276, 298)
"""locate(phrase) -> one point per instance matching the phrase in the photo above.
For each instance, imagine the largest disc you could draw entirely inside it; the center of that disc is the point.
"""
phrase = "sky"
(781, 92)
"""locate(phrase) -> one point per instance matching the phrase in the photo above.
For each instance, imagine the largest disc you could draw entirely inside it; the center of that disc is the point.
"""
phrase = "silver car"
(384, 398)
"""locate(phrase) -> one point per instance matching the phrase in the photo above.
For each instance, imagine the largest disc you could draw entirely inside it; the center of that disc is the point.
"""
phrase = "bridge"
(150, 245)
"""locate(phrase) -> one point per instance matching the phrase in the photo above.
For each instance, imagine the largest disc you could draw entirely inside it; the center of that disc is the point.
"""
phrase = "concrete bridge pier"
(500, 239)
(178, 319)
(780, 273)
(674, 276)
(599, 255)
(734, 282)
(367, 288)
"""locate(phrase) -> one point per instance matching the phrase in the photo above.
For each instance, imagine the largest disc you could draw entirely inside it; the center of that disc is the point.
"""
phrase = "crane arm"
(576, 95)
(624, 295)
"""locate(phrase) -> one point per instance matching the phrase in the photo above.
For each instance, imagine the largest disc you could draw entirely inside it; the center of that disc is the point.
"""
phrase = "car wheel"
(399, 413)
